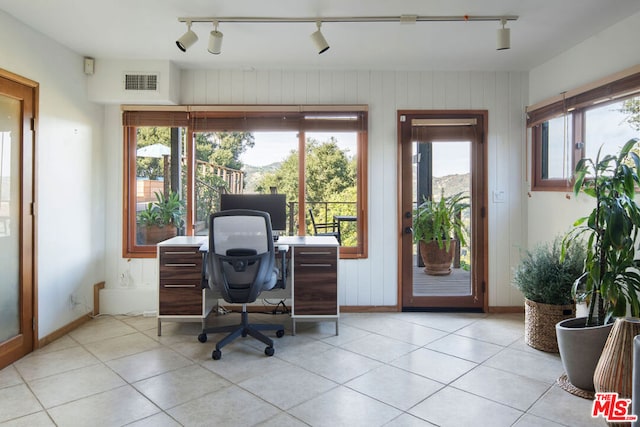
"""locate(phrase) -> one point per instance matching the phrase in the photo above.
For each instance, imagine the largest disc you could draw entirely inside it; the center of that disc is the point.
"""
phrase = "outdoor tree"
(631, 107)
(330, 179)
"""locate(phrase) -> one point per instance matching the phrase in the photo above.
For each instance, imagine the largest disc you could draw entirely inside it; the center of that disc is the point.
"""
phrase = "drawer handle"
(315, 253)
(316, 265)
(179, 253)
(179, 265)
(179, 286)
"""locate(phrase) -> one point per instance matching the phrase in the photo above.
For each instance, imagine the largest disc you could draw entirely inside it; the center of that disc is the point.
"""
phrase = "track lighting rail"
(325, 19)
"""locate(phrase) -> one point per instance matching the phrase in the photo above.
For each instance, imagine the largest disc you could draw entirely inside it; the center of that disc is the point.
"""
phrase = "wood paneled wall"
(373, 281)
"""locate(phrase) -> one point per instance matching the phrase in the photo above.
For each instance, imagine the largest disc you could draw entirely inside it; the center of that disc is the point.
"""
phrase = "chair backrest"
(241, 258)
(313, 221)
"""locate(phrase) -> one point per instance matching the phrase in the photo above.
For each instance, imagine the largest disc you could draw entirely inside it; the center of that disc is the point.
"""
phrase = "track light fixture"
(187, 39)
(215, 37)
(503, 36)
(215, 40)
(318, 40)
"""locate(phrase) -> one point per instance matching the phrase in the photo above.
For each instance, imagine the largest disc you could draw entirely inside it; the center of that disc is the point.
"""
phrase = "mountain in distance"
(452, 184)
(253, 174)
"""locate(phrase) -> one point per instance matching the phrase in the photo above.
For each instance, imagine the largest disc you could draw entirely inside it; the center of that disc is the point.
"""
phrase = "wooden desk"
(312, 284)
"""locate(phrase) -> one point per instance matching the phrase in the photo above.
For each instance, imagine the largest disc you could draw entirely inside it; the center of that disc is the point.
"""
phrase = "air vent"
(145, 82)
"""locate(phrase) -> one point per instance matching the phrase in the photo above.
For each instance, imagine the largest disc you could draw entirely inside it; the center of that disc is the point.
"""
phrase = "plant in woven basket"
(546, 282)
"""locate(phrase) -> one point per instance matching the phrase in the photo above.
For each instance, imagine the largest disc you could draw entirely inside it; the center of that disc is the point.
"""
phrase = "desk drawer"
(180, 299)
(180, 265)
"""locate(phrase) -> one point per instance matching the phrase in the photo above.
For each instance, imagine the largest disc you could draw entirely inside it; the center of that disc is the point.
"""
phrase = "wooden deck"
(458, 283)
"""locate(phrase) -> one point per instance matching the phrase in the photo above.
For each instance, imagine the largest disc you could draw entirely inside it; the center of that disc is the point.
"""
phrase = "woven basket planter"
(540, 324)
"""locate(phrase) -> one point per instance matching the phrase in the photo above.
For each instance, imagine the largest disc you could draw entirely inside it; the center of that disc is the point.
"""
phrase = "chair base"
(243, 329)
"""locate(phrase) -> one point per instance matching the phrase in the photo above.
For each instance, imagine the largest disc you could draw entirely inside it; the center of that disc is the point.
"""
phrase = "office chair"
(322, 229)
(240, 265)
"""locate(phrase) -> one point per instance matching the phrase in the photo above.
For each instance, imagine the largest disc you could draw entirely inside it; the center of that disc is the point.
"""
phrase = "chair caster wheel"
(202, 337)
(216, 355)
(280, 333)
(269, 351)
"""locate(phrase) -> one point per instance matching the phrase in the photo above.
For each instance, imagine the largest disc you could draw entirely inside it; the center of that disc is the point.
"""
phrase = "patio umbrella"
(154, 150)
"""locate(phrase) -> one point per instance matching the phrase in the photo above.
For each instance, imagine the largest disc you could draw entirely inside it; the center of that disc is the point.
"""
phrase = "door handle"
(407, 214)
(408, 230)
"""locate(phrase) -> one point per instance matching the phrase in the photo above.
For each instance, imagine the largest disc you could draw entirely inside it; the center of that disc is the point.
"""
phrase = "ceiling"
(148, 29)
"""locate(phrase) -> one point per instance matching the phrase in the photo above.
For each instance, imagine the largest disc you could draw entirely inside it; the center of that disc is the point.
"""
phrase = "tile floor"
(384, 369)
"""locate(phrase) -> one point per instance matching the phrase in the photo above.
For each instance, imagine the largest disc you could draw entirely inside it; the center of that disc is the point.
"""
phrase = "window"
(563, 132)
(317, 158)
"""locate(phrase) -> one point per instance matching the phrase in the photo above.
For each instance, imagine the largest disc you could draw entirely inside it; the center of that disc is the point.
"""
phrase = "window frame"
(246, 118)
(610, 90)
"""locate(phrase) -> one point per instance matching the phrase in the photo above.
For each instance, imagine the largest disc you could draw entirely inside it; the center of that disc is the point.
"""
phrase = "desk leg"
(159, 327)
(337, 326)
(293, 326)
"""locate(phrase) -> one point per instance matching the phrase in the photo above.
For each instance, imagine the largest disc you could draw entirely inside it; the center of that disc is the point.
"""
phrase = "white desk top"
(282, 242)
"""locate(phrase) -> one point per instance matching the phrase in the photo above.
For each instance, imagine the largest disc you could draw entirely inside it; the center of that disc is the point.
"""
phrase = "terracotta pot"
(153, 234)
(580, 348)
(437, 261)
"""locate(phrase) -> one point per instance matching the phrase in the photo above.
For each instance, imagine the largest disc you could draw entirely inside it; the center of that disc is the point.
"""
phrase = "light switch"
(499, 196)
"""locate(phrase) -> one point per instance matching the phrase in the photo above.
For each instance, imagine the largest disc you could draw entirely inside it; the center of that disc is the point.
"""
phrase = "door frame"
(27, 91)
(480, 263)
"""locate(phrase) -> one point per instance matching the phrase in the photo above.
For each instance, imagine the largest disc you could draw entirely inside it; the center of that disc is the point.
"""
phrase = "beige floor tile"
(447, 322)
(528, 420)
(282, 420)
(394, 386)
(562, 407)
(9, 376)
(50, 363)
(347, 334)
(465, 348)
(121, 346)
(148, 363)
(501, 386)
(288, 387)
(100, 329)
(436, 366)
(451, 407)
(536, 366)
(344, 407)
(231, 406)
(141, 323)
(500, 332)
(72, 385)
(17, 401)
(380, 348)
(157, 420)
(243, 363)
(338, 365)
(115, 407)
(408, 420)
(180, 386)
(59, 344)
(408, 332)
(39, 419)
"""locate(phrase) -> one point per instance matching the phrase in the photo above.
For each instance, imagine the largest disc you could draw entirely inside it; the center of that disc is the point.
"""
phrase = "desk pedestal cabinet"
(313, 284)
(180, 293)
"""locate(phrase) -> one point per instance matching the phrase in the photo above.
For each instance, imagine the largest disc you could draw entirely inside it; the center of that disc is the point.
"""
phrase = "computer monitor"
(274, 204)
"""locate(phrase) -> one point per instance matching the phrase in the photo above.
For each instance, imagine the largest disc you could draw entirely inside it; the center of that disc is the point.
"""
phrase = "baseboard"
(96, 297)
(59, 333)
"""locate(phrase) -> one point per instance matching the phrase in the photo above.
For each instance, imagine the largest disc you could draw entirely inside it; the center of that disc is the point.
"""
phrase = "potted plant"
(161, 219)
(438, 227)
(546, 282)
(610, 281)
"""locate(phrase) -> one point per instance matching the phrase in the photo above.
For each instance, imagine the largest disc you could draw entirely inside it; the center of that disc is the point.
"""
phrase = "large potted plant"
(610, 281)
(546, 281)
(161, 219)
(438, 227)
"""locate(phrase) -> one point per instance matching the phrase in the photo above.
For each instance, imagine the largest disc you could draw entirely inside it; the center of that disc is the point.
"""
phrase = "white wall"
(70, 173)
(371, 281)
(611, 51)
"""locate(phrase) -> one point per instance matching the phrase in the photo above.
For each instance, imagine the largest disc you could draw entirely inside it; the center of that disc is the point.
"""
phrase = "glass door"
(442, 168)
(16, 227)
